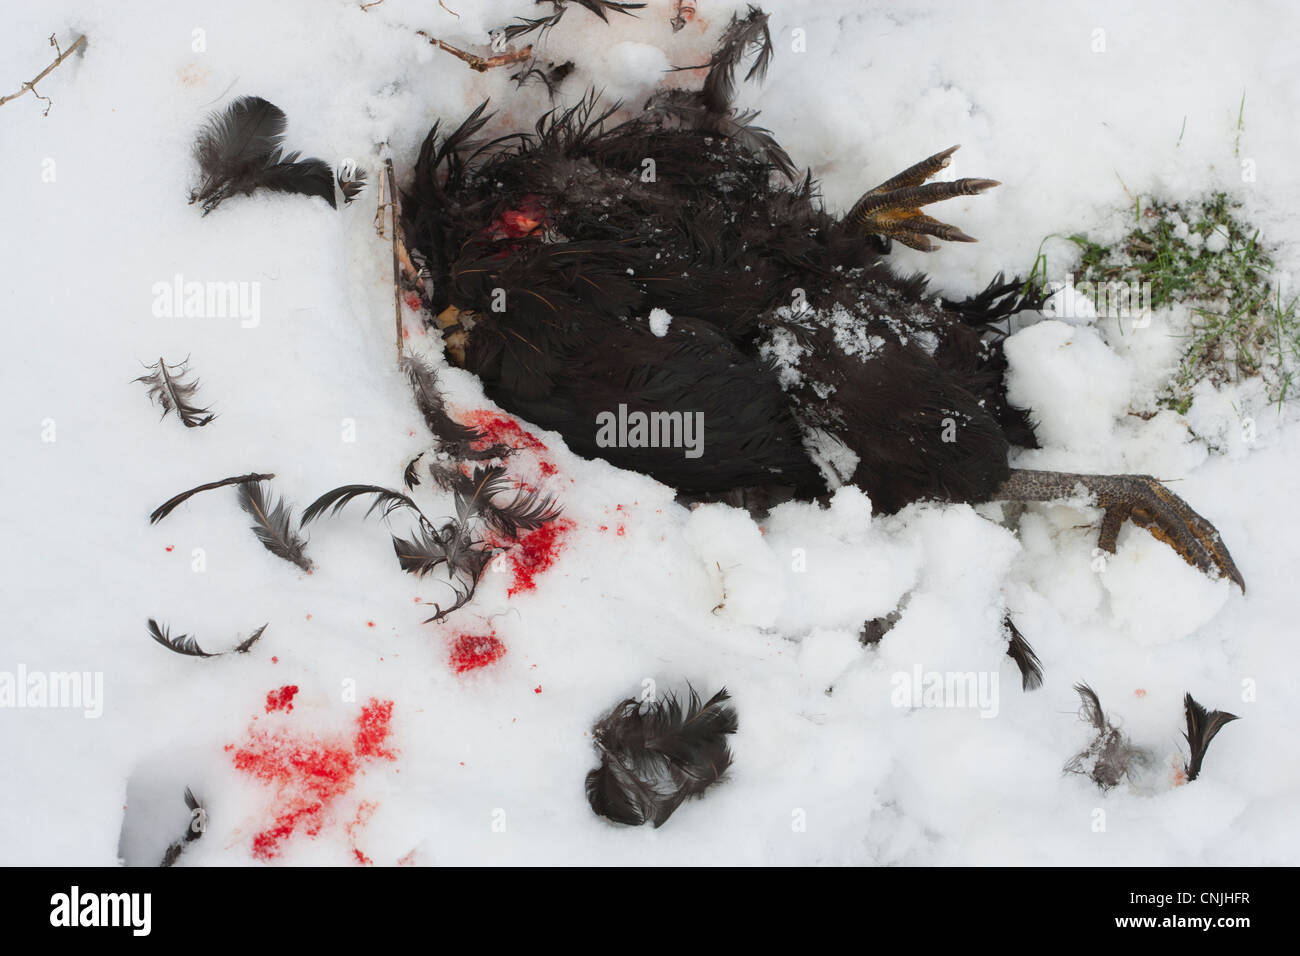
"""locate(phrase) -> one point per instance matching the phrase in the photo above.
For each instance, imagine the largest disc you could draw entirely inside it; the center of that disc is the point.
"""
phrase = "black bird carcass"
(784, 332)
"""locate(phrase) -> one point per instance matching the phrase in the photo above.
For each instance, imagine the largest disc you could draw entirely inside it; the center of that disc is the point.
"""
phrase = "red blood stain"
(370, 623)
(537, 689)
(412, 301)
(499, 429)
(520, 222)
(407, 860)
(471, 651)
(281, 699)
(534, 553)
(309, 774)
(364, 812)
(621, 529)
(1140, 692)
(171, 547)
(275, 660)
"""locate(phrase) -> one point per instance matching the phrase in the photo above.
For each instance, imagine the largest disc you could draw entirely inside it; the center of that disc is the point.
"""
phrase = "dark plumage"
(656, 754)
(242, 149)
(809, 361)
(1202, 727)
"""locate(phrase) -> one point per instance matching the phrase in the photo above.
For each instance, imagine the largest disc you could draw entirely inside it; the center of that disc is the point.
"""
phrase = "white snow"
(487, 766)
(660, 320)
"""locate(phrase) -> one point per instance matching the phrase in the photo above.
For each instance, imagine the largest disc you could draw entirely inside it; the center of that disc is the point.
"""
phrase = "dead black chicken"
(807, 360)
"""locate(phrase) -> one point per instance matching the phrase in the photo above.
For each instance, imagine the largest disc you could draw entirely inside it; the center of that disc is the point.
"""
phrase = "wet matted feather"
(1020, 651)
(1111, 757)
(656, 754)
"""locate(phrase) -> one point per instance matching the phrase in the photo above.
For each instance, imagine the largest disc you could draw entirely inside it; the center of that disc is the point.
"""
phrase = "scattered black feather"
(243, 646)
(168, 506)
(874, 631)
(601, 7)
(473, 492)
(445, 474)
(351, 180)
(189, 646)
(1019, 650)
(273, 524)
(1201, 729)
(748, 36)
(524, 25)
(453, 437)
(1111, 757)
(184, 644)
(409, 476)
(242, 149)
(192, 832)
(527, 511)
(550, 76)
(386, 502)
(655, 755)
(170, 392)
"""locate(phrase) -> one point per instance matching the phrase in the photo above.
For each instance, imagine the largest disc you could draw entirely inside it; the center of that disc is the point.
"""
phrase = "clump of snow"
(1072, 382)
(660, 320)
(745, 573)
(1184, 601)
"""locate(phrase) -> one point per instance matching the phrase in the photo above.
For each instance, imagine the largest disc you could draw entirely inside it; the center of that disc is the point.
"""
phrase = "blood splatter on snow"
(472, 651)
(281, 699)
(309, 773)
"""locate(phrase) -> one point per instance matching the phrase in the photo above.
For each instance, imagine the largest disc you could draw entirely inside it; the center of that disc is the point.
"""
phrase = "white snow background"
(489, 765)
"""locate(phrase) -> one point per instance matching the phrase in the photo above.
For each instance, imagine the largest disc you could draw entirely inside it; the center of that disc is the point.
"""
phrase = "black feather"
(421, 554)
(748, 36)
(189, 646)
(242, 149)
(527, 511)
(243, 647)
(655, 755)
(1111, 757)
(168, 506)
(170, 392)
(273, 524)
(193, 830)
(184, 644)
(409, 476)
(386, 502)
(1019, 650)
(1202, 727)
(351, 180)
(473, 492)
(452, 436)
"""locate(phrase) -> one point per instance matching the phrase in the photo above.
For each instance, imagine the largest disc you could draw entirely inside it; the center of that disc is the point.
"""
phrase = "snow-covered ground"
(487, 765)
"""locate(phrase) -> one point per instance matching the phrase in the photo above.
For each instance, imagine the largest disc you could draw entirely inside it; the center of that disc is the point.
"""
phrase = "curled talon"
(1141, 499)
(892, 209)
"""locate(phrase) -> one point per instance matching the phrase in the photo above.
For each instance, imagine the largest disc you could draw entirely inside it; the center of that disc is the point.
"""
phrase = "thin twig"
(30, 85)
(476, 62)
(394, 212)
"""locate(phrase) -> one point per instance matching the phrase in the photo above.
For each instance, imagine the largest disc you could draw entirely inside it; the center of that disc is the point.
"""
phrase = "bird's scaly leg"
(1137, 498)
(893, 208)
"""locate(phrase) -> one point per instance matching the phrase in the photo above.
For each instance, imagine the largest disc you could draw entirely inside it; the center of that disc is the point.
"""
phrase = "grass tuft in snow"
(1241, 321)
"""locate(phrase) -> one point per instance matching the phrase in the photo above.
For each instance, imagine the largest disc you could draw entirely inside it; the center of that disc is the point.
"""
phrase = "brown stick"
(30, 85)
(394, 213)
(476, 62)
